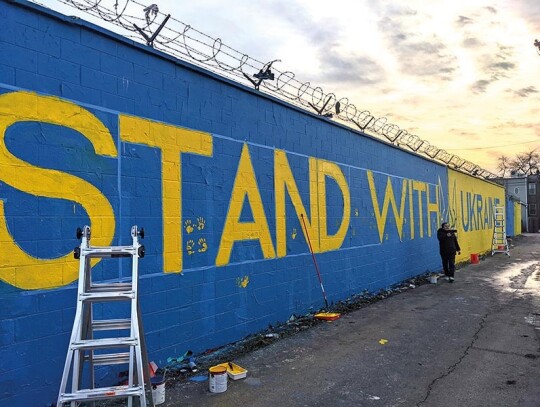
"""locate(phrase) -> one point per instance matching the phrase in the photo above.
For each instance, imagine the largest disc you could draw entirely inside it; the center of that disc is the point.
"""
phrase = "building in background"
(524, 189)
(533, 200)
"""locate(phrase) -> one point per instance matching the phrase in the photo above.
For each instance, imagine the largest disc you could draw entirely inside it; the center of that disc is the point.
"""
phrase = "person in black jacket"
(448, 246)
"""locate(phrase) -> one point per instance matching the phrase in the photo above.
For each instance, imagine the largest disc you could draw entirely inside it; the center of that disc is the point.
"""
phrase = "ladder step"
(108, 324)
(106, 343)
(101, 393)
(110, 359)
(107, 296)
(100, 287)
(113, 251)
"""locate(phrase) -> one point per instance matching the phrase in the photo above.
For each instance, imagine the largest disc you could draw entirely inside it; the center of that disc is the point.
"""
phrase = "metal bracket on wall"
(150, 40)
(321, 110)
(264, 74)
(364, 127)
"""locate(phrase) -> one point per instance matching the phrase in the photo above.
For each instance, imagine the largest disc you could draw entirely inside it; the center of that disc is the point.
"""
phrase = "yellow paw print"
(189, 247)
(200, 223)
(188, 226)
(242, 282)
(294, 233)
(202, 245)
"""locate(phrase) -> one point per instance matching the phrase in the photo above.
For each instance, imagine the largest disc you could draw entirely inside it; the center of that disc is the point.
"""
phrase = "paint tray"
(327, 316)
(234, 371)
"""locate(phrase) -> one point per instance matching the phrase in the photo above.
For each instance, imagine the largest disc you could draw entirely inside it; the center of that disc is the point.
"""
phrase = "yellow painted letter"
(432, 207)
(245, 186)
(283, 179)
(420, 187)
(328, 169)
(389, 199)
(16, 266)
(172, 141)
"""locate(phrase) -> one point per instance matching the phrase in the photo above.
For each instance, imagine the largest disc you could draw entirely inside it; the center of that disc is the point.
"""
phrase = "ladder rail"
(83, 344)
(499, 232)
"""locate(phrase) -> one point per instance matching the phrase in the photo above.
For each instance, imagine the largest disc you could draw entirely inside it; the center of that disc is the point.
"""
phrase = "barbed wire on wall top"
(167, 34)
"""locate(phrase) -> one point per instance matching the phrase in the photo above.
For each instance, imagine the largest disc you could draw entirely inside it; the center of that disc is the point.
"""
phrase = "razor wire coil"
(187, 43)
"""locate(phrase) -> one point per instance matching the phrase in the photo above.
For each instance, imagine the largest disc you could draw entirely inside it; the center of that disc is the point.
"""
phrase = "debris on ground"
(179, 369)
(293, 325)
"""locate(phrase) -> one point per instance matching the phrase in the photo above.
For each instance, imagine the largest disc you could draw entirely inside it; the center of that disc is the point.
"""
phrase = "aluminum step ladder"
(87, 350)
(499, 243)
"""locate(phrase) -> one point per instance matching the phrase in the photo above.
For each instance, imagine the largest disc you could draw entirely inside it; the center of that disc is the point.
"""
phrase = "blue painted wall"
(75, 64)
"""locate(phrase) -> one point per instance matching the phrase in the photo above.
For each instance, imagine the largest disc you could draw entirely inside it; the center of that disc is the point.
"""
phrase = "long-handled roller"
(329, 316)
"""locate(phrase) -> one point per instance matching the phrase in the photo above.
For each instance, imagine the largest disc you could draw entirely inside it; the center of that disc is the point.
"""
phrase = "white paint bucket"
(218, 379)
(158, 389)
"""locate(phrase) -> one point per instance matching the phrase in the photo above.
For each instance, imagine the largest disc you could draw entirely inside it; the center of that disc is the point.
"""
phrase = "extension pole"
(314, 260)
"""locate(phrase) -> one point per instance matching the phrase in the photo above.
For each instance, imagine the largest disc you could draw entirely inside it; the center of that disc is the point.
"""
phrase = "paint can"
(158, 389)
(501, 247)
(474, 258)
(218, 379)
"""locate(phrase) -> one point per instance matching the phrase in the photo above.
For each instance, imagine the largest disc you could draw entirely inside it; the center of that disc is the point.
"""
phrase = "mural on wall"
(428, 206)
(220, 177)
(264, 214)
(471, 211)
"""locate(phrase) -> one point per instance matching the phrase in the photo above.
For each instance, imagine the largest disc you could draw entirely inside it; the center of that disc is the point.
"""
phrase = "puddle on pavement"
(507, 278)
(533, 319)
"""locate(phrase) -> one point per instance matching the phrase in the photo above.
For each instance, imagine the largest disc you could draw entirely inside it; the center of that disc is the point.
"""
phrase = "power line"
(488, 148)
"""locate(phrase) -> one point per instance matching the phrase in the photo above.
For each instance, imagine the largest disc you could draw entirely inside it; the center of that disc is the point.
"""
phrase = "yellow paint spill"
(383, 341)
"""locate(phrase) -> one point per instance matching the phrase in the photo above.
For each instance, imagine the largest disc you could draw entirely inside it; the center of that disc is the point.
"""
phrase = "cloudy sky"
(462, 74)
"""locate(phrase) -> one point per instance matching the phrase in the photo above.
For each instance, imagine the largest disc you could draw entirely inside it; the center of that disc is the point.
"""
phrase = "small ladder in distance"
(499, 243)
(83, 344)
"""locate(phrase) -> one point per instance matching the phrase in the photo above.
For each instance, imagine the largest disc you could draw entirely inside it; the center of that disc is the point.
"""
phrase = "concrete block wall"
(95, 129)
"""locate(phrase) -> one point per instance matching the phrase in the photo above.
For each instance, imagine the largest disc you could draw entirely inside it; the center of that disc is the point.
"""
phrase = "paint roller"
(329, 316)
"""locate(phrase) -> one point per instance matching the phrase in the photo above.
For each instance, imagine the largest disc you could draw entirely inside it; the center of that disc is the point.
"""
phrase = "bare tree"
(503, 165)
(525, 163)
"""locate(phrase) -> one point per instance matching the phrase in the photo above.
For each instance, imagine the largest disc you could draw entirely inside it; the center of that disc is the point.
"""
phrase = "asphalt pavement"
(474, 342)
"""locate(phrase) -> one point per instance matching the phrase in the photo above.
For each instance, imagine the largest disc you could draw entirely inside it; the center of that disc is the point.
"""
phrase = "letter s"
(17, 267)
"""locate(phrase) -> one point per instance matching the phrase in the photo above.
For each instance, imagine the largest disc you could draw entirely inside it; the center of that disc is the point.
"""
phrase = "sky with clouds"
(463, 74)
